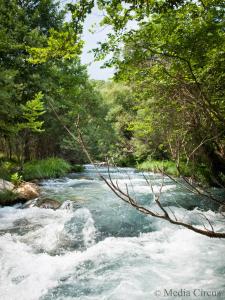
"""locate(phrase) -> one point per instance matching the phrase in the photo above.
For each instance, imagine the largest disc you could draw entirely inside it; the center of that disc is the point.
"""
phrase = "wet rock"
(85, 178)
(48, 203)
(6, 185)
(222, 209)
(69, 205)
(30, 203)
(28, 191)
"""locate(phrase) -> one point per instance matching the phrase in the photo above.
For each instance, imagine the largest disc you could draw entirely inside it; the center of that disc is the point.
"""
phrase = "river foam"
(102, 249)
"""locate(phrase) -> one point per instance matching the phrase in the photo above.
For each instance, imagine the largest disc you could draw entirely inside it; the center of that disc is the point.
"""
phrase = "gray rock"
(6, 185)
(30, 203)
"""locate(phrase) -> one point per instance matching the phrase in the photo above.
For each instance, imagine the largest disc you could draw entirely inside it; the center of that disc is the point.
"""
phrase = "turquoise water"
(98, 247)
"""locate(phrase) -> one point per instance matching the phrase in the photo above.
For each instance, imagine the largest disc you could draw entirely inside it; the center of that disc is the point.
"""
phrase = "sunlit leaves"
(60, 45)
(31, 112)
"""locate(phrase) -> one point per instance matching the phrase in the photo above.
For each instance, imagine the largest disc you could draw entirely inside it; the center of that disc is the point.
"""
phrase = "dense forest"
(165, 107)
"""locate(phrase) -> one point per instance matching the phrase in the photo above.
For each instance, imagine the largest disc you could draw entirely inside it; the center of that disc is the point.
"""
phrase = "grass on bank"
(52, 167)
(45, 168)
(199, 172)
(167, 166)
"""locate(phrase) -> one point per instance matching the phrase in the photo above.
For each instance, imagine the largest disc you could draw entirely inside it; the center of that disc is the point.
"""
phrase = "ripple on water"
(101, 249)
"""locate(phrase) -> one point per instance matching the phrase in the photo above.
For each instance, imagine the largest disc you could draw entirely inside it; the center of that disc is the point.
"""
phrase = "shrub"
(6, 169)
(16, 179)
(46, 168)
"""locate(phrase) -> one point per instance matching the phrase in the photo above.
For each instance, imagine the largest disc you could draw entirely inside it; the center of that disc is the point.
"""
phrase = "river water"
(98, 248)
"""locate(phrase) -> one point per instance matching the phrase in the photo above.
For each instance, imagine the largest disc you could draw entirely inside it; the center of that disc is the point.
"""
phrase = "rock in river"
(48, 203)
(28, 191)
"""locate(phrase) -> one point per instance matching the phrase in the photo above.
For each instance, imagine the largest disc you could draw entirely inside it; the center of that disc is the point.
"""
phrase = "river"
(99, 248)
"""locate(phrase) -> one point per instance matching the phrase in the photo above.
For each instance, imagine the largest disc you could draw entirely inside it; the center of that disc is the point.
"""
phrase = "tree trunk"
(216, 163)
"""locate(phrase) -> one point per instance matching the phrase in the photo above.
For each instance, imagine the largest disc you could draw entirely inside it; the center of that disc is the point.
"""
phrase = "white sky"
(91, 39)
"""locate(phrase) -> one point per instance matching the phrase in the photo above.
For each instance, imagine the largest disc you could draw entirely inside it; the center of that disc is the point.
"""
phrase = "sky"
(91, 39)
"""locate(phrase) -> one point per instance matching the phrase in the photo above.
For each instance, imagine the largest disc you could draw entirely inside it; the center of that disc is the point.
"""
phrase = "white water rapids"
(101, 249)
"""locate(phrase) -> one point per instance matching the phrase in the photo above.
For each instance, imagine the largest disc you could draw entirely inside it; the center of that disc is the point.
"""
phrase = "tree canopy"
(167, 98)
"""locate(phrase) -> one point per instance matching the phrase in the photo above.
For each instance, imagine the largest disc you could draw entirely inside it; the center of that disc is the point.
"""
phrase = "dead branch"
(192, 188)
(125, 196)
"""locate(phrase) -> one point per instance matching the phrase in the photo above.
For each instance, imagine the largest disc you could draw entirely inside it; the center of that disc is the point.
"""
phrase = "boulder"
(48, 203)
(28, 191)
(6, 185)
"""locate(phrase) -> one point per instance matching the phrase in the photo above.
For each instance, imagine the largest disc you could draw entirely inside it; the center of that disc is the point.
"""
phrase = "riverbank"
(51, 167)
(11, 194)
(199, 173)
(16, 183)
(54, 167)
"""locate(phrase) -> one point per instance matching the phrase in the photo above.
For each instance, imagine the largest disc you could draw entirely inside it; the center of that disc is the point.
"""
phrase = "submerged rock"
(48, 203)
(21, 222)
(28, 191)
(85, 178)
(68, 204)
(222, 209)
